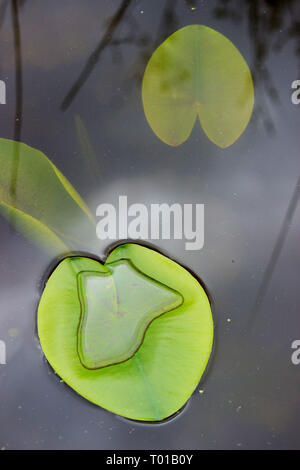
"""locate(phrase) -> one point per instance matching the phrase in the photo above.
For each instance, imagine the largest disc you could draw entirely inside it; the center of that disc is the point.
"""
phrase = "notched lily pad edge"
(109, 249)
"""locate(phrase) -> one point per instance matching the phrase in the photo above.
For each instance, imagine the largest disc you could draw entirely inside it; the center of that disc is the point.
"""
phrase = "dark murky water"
(68, 63)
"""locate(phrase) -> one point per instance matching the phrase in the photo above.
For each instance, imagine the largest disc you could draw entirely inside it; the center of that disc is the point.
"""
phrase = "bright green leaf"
(163, 373)
(198, 72)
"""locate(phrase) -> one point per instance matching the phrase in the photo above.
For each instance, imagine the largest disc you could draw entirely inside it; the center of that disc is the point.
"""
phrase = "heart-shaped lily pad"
(198, 72)
(166, 361)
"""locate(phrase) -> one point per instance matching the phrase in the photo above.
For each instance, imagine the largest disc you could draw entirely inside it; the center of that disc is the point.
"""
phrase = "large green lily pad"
(197, 73)
(160, 376)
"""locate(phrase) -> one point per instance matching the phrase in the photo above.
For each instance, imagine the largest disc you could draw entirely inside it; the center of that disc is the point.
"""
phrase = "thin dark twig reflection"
(268, 273)
(94, 57)
(19, 99)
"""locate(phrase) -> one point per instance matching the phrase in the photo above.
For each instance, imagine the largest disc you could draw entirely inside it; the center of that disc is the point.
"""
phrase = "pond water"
(73, 73)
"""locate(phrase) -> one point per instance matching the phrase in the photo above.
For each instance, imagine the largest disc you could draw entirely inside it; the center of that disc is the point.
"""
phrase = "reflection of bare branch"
(276, 252)
(167, 26)
(3, 8)
(19, 96)
(268, 32)
(94, 57)
(191, 3)
(270, 27)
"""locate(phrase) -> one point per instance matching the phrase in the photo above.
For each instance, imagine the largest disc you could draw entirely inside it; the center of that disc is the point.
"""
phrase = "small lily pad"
(198, 73)
(169, 357)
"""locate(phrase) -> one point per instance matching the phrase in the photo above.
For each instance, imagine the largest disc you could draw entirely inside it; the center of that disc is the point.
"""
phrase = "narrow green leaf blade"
(33, 229)
(34, 192)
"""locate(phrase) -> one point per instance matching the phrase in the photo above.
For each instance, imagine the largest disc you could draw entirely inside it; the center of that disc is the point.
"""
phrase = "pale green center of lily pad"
(116, 308)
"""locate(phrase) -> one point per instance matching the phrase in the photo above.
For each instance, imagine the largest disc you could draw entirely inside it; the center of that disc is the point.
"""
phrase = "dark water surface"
(76, 58)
